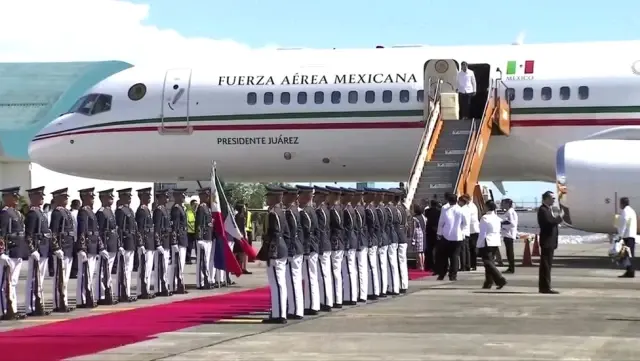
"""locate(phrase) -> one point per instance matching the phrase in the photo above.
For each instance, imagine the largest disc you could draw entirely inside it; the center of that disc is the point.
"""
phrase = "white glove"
(35, 255)
(4, 258)
(142, 250)
(104, 254)
(82, 256)
(59, 254)
(175, 248)
(121, 250)
(160, 250)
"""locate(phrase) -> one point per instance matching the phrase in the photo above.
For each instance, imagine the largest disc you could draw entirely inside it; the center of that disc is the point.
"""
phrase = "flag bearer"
(295, 298)
(309, 223)
(323, 235)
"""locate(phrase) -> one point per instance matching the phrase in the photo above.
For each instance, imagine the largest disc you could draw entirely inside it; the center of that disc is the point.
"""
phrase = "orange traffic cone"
(536, 248)
(526, 257)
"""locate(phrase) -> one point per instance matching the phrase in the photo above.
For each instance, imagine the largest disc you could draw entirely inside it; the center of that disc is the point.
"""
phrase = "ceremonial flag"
(223, 257)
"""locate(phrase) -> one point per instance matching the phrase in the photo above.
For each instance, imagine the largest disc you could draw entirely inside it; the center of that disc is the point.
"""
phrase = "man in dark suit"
(548, 223)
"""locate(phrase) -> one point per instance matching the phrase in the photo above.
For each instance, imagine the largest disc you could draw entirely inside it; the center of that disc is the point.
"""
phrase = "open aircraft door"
(443, 71)
(175, 103)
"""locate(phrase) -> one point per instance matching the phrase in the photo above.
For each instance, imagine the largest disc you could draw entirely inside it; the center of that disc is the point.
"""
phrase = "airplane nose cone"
(47, 147)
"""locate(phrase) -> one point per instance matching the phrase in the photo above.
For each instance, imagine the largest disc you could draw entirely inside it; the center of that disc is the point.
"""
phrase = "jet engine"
(592, 175)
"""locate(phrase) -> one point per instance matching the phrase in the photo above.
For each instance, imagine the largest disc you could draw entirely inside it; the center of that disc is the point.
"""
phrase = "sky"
(192, 31)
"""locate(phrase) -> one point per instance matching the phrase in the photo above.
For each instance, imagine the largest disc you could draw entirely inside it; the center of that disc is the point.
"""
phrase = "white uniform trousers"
(325, 281)
(373, 288)
(337, 257)
(383, 260)
(180, 256)
(277, 278)
(393, 273)
(59, 301)
(204, 262)
(149, 256)
(92, 261)
(128, 268)
(161, 265)
(311, 286)
(363, 273)
(14, 266)
(402, 266)
(100, 284)
(295, 294)
(350, 276)
(30, 299)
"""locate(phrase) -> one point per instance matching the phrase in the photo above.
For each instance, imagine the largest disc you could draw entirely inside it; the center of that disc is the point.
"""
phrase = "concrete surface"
(595, 317)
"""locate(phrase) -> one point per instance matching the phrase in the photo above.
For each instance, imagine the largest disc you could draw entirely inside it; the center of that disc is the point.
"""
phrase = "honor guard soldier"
(276, 248)
(383, 242)
(62, 238)
(162, 226)
(295, 294)
(349, 267)
(12, 232)
(108, 233)
(363, 244)
(90, 251)
(128, 234)
(309, 224)
(146, 244)
(336, 234)
(323, 236)
(372, 229)
(401, 230)
(205, 268)
(38, 238)
(179, 242)
(393, 224)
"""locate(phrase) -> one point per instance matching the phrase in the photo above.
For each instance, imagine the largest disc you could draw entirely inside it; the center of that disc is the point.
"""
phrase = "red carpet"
(88, 335)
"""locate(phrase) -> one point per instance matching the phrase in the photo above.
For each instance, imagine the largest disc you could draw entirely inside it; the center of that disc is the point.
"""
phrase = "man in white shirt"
(509, 232)
(465, 252)
(474, 230)
(627, 230)
(466, 90)
(450, 230)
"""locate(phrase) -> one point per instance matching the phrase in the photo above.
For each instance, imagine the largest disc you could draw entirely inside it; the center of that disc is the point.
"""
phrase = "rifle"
(7, 279)
(122, 290)
(108, 292)
(143, 260)
(60, 273)
(178, 276)
(36, 289)
(88, 292)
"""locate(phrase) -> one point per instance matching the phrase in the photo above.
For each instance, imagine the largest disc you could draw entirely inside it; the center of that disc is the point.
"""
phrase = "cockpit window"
(92, 104)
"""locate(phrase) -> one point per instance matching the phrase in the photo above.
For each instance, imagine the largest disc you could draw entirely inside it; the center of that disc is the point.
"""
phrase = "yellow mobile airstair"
(450, 155)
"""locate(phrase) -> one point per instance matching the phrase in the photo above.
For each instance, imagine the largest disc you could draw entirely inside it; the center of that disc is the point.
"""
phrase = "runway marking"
(43, 320)
(100, 309)
(240, 320)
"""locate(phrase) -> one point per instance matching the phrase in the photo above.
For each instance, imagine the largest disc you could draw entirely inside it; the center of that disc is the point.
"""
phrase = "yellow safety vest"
(191, 220)
(249, 226)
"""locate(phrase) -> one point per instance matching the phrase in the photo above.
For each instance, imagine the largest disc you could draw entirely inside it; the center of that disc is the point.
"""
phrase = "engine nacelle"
(592, 175)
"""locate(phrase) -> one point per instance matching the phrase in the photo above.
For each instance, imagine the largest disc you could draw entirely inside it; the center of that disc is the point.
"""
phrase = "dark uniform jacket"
(548, 227)
(372, 225)
(146, 234)
(391, 221)
(295, 231)
(323, 232)
(204, 223)
(88, 239)
(162, 227)
(403, 223)
(108, 229)
(360, 228)
(37, 232)
(12, 231)
(127, 228)
(309, 221)
(349, 239)
(62, 231)
(382, 215)
(336, 228)
(179, 225)
(277, 234)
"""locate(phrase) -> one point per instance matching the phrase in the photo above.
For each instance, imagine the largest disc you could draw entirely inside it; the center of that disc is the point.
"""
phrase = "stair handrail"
(433, 117)
(463, 165)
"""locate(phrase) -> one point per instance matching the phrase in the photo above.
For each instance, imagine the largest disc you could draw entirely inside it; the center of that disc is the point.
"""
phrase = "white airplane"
(347, 115)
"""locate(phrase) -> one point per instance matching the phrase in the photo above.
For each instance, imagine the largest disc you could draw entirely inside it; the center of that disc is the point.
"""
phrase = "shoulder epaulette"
(60, 207)
(120, 207)
(101, 209)
(33, 208)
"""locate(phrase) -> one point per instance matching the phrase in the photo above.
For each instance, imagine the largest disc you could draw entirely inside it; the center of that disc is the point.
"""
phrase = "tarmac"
(595, 317)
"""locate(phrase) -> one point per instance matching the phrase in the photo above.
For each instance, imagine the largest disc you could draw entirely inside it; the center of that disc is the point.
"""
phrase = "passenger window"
(285, 98)
(527, 93)
(583, 92)
(420, 96)
(268, 98)
(565, 93)
(370, 96)
(252, 98)
(335, 97)
(302, 98)
(103, 104)
(404, 96)
(353, 97)
(546, 93)
(387, 96)
(510, 94)
(318, 97)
